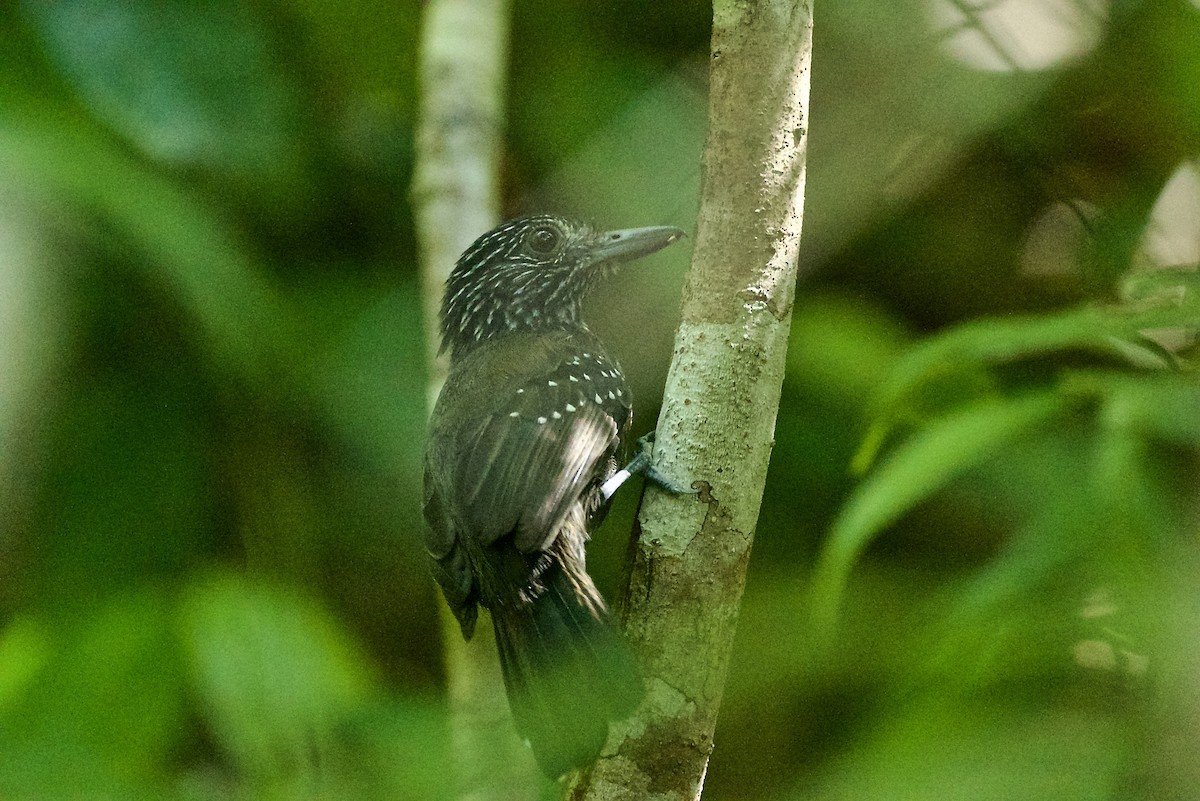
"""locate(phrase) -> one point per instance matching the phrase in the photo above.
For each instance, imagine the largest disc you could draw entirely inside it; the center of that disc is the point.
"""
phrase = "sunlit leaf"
(110, 686)
(1055, 241)
(24, 651)
(986, 342)
(1167, 289)
(54, 770)
(275, 674)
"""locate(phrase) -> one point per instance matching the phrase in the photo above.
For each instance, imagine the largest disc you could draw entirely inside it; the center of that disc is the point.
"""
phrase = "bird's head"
(532, 274)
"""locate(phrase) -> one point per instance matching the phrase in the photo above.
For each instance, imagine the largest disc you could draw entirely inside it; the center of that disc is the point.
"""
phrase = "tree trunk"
(722, 396)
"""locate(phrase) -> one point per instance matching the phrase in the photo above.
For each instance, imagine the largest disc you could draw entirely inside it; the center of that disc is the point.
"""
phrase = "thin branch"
(722, 396)
(455, 199)
(455, 196)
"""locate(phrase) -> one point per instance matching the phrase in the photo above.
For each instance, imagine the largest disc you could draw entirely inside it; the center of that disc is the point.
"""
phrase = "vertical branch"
(455, 199)
(455, 195)
(722, 396)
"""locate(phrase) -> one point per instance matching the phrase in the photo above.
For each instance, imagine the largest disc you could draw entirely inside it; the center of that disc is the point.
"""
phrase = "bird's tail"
(567, 670)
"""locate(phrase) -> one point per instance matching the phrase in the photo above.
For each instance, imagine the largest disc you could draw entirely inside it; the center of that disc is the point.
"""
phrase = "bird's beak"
(633, 243)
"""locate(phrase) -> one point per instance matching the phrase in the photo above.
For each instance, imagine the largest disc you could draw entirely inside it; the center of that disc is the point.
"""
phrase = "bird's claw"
(642, 463)
(645, 445)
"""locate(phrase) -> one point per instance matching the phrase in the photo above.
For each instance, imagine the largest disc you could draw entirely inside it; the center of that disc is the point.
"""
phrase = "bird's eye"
(543, 240)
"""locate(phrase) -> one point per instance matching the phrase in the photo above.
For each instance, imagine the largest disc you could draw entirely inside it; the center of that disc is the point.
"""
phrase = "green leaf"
(56, 770)
(275, 674)
(24, 651)
(917, 469)
(195, 84)
(953, 368)
(987, 751)
(1167, 288)
(989, 342)
(182, 244)
(1165, 408)
(848, 346)
(401, 750)
(110, 686)
(1014, 621)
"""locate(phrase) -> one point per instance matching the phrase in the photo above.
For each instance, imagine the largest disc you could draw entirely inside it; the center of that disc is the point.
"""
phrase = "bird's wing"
(447, 557)
(524, 465)
(489, 473)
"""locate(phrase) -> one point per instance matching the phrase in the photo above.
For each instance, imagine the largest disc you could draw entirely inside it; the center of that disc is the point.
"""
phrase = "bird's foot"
(645, 446)
(641, 463)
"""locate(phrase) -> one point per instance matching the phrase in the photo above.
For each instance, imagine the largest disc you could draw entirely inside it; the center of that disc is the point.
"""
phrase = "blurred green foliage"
(976, 568)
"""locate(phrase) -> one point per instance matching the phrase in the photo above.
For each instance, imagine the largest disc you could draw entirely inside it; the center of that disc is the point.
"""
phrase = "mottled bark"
(455, 199)
(722, 395)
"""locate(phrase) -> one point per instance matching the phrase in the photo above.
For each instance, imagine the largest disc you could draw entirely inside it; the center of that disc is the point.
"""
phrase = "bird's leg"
(642, 463)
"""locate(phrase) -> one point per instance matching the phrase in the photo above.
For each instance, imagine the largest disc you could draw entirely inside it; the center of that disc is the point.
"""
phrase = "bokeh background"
(212, 389)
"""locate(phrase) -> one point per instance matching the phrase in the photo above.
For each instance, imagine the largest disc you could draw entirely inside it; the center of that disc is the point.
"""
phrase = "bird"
(520, 462)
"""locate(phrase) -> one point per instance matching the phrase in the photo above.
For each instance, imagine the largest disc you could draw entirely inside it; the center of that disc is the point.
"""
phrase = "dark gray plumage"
(527, 428)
